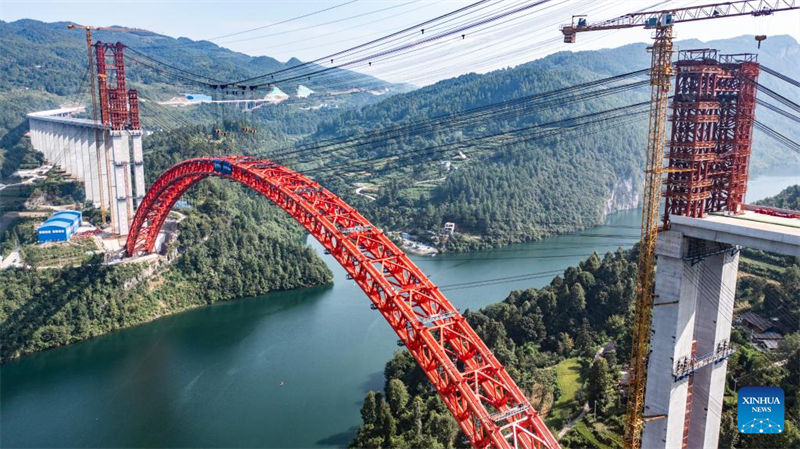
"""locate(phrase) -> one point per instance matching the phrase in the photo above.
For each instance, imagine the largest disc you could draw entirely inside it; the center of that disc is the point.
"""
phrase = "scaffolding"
(712, 124)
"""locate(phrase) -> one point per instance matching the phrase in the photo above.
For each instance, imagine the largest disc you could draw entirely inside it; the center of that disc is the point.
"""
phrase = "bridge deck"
(752, 230)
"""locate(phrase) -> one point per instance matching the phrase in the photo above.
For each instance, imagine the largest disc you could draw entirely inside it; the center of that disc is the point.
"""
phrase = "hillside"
(539, 334)
(526, 190)
(497, 192)
(50, 57)
(789, 198)
(44, 66)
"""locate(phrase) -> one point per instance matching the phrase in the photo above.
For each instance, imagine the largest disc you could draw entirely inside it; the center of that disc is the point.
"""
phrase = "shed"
(73, 214)
(54, 231)
(756, 323)
(59, 227)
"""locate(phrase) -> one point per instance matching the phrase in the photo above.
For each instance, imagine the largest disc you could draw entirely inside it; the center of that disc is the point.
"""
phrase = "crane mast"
(97, 133)
(660, 83)
(101, 140)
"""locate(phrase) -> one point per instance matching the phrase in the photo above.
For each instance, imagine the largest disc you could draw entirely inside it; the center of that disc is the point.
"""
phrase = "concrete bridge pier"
(716, 291)
(120, 147)
(138, 168)
(674, 314)
(74, 144)
(697, 265)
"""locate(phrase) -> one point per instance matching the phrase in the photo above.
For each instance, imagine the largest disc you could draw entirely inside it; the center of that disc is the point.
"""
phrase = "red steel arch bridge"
(490, 408)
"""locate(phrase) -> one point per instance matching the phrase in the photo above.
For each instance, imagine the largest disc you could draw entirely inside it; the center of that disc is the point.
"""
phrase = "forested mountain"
(789, 198)
(497, 190)
(523, 190)
(548, 339)
(232, 244)
(44, 65)
(48, 56)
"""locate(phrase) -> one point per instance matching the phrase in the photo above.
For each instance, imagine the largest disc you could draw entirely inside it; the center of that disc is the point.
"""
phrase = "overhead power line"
(309, 27)
(778, 137)
(781, 76)
(292, 19)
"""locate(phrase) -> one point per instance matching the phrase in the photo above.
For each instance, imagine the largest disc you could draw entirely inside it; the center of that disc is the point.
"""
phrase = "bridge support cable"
(487, 404)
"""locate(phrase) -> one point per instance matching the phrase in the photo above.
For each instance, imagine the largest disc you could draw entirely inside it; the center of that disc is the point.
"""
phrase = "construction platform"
(749, 229)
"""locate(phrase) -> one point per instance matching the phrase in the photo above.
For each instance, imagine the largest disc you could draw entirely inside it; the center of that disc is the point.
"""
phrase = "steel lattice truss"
(488, 405)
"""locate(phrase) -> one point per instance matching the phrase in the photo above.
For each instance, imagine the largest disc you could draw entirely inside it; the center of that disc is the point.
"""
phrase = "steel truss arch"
(485, 401)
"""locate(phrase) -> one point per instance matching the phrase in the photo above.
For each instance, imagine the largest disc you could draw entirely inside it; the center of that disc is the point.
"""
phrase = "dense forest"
(549, 340)
(537, 332)
(500, 193)
(232, 244)
(789, 198)
(45, 67)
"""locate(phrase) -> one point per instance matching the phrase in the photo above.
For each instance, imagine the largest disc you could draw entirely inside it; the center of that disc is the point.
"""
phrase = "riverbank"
(212, 375)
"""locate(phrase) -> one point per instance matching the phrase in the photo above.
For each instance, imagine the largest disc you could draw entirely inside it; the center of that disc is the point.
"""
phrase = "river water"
(288, 369)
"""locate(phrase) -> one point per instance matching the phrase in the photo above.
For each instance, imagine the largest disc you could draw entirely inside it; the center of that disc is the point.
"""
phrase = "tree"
(397, 396)
(565, 344)
(387, 426)
(369, 411)
(600, 386)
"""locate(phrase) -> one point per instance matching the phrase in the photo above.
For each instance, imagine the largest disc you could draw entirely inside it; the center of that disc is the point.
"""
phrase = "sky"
(333, 25)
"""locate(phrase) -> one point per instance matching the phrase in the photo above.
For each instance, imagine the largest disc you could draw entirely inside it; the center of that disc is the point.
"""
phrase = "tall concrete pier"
(105, 160)
(698, 260)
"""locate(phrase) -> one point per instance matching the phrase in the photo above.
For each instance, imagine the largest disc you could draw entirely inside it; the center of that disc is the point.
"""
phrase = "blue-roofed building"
(72, 214)
(197, 97)
(60, 227)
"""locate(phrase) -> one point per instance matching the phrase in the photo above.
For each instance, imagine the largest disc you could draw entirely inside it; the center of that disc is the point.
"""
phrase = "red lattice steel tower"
(119, 107)
(712, 123)
(695, 116)
(745, 70)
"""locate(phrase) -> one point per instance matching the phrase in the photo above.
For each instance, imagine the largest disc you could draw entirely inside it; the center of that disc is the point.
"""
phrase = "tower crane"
(660, 72)
(98, 135)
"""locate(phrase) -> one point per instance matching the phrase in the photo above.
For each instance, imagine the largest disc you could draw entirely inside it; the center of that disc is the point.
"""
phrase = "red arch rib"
(488, 405)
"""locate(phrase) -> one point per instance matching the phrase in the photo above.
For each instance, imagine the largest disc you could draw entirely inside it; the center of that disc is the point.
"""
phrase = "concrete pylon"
(67, 146)
(712, 329)
(694, 291)
(138, 168)
(93, 169)
(121, 171)
(674, 310)
(53, 145)
(61, 148)
(85, 168)
(82, 148)
(75, 150)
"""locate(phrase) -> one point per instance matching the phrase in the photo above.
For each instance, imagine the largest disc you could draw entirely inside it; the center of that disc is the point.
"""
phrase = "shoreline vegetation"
(567, 344)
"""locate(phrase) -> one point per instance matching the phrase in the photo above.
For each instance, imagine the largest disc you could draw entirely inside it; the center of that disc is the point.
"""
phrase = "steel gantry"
(487, 404)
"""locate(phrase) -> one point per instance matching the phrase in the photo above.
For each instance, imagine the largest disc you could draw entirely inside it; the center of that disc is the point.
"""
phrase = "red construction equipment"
(712, 128)
(488, 405)
(661, 22)
(119, 107)
(775, 212)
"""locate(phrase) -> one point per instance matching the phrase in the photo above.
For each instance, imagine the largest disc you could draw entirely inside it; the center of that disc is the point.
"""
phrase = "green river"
(288, 369)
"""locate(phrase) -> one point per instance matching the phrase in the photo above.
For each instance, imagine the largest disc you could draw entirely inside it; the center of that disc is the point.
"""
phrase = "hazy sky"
(521, 38)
